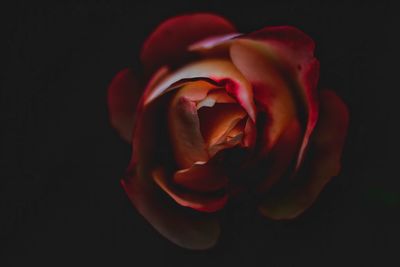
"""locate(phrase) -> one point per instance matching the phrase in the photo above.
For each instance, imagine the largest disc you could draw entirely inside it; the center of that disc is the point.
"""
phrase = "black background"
(61, 202)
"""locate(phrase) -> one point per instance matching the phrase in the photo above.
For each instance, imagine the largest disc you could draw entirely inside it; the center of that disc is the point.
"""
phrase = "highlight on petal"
(271, 91)
(212, 42)
(219, 70)
(295, 50)
(309, 79)
(169, 42)
(189, 230)
(322, 163)
(214, 47)
(123, 96)
(215, 96)
(197, 201)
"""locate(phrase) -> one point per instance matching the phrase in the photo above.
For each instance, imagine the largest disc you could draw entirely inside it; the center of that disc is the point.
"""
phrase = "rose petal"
(197, 201)
(295, 50)
(324, 162)
(282, 155)
(309, 79)
(212, 42)
(169, 41)
(237, 129)
(216, 69)
(250, 134)
(123, 97)
(214, 47)
(270, 89)
(188, 230)
(215, 96)
(290, 37)
(219, 120)
(184, 127)
(201, 177)
(231, 138)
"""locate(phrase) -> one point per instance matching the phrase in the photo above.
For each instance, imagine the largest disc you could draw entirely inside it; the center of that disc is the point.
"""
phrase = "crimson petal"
(295, 49)
(123, 97)
(169, 42)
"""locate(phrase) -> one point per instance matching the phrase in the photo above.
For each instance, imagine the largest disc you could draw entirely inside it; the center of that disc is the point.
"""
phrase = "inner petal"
(232, 137)
(217, 121)
(184, 128)
(184, 125)
(215, 96)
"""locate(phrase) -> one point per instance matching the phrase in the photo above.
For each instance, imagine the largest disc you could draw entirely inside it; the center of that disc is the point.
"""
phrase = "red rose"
(225, 114)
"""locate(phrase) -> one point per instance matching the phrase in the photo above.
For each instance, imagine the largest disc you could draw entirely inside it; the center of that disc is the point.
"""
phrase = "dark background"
(60, 198)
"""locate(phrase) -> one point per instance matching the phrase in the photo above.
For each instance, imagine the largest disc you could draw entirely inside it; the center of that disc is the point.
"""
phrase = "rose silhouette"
(218, 114)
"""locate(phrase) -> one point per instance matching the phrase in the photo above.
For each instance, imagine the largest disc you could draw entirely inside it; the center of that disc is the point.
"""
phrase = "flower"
(222, 114)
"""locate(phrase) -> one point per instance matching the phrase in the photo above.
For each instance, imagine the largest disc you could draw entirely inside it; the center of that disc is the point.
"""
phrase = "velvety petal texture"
(220, 114)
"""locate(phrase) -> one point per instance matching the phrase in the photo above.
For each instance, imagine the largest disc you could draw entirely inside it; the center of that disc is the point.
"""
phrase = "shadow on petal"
(122, 99)
(187, 229)
(322, 163)
(295, 51)
(204, 202)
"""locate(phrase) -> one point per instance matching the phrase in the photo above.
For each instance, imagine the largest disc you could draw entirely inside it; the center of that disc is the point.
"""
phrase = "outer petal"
(214, 47)
(295, 51)
(201, 177)
(212, 42)
(188, 230)
(191, 230)
(323, 162)
(289, 37)
(270, 89)
(169, 42)
(123, 97)
(280, 159)
(197, 201)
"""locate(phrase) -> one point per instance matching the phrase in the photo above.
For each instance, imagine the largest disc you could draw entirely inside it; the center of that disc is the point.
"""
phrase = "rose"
(225, 114)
